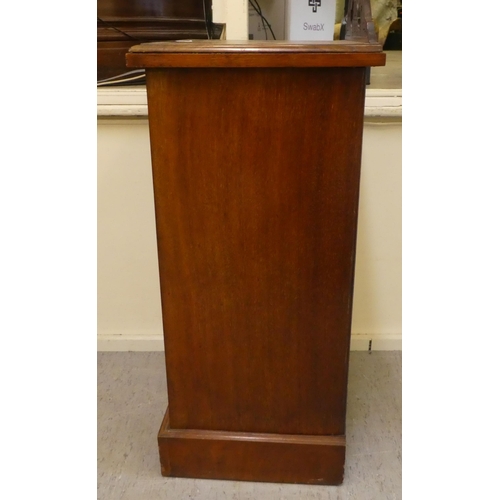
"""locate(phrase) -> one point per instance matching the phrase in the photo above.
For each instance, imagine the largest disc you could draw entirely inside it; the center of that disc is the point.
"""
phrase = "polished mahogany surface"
(256, 217)
(256, 154)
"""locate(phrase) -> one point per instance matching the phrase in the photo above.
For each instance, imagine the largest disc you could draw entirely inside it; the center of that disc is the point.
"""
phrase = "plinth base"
(246, 456)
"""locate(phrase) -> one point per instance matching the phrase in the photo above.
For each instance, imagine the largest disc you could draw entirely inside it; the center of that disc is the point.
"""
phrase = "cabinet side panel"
(256, 177)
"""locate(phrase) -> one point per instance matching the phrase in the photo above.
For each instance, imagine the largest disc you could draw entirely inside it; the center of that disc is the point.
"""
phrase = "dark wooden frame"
(124, 23)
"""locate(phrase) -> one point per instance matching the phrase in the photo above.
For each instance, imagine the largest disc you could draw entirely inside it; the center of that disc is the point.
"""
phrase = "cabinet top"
(246, 53)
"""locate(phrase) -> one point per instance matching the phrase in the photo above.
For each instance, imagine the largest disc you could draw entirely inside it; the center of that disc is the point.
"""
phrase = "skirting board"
(128, 342)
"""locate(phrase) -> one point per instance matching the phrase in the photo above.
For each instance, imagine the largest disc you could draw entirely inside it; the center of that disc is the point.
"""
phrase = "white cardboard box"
(310, 20)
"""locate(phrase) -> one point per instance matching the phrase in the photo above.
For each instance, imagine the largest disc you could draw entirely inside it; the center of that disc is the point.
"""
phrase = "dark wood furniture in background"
(123, 23)
(256, 153)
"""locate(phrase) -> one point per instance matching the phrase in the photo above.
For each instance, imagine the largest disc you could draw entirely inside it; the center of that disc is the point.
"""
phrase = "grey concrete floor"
(132, 400)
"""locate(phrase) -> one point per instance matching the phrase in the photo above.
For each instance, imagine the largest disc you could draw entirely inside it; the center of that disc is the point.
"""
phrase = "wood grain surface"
(256, 178)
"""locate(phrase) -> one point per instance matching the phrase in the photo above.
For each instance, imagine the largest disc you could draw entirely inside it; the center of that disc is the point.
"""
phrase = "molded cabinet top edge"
(222, 53)
(252, 46)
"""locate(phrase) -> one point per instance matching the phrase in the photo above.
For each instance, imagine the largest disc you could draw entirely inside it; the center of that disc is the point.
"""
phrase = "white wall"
(128, 285)
(377, 287)
(129, 315)
(233, 13)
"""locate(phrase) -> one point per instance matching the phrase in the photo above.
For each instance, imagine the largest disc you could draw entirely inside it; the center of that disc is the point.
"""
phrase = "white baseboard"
(376, 342)
(128, 342)
(154, 342)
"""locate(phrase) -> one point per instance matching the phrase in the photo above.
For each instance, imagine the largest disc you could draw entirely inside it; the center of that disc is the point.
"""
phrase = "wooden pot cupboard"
(256, 154)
